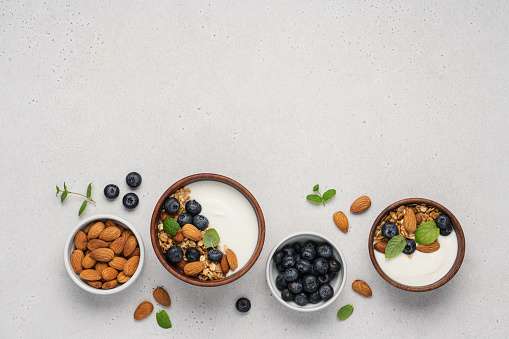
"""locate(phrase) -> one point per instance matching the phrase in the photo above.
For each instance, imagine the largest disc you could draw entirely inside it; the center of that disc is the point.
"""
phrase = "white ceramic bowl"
(69, 247)
(337, 283)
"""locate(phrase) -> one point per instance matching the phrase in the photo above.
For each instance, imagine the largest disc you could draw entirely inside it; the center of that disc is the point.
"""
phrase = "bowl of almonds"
(104, 254)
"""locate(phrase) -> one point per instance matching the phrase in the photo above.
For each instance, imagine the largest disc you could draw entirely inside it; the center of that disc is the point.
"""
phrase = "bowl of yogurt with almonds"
(416, 245)
(207, 230)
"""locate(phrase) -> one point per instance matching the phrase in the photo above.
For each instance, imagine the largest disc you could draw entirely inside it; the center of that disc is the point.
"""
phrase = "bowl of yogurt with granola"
(416, 245)
(207, 229)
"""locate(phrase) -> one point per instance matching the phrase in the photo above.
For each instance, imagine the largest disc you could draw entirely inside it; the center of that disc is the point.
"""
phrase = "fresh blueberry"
(297, 247)
(193, 207)
(214, 255)
(308, 253)
(291, 274)
(278, 256)
(295, 286)
(184, 218)
(303, 266)
(324, 279)
(324, 250)
(313, 272)
(334, 266)
(326, 291)
(389, 229)
(321, 266)
(192, 254)
(297, 257)
(446, 231)
(310, 283)
(301, 299)
(171, 205)
(310, 243)
(286, 295)
(281, 282)
(111, 191)
(332, 275)
(314, 297)
(410, 246)
(288, 250)
(442, 221)
(174, 254)
(133, 179)
(288, 261)
(200, 222)
(243, 305)
(280, 268)
(130, 200)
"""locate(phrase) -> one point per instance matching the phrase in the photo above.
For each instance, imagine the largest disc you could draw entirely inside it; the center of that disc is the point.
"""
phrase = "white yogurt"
(230, 214)
(421, 269)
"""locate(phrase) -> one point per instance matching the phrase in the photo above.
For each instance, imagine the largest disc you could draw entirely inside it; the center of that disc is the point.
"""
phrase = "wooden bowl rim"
(459, 236)
(206, 177)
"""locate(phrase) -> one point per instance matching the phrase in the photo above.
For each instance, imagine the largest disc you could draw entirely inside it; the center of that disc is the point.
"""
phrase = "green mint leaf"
(316, 188)
(314, 198)
(83, 206)
(427, 234)
(329, 194)
(89, 190)
(65, 187)
(63, 196)
(395, 246)
(163, 320)
(211, 238)
(58, 190)
(428, 224)
(345, 311)
(170, 226)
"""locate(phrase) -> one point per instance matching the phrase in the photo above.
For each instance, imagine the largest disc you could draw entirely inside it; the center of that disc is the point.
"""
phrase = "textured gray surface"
(381, 98)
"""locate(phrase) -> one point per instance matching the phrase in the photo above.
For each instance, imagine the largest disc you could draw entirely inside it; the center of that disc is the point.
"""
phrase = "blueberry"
(410, 246)
(297, 247)
(442, 221)
(308, 253)
(324, 279)
(310, 283)
(286, 295)
(334, 266)
(130, 200)
(171, 205)
(301, 299)
(278, 256)
(309, 243)
(193, 207)
(389, 229)
(288, 250)
(295, 286)
(133, 179)
(214, 255)
(111, 191)
(324, 250)
(174, 254)
(243, 305)
(297, 257)
(200, 222)
(303, 266)
(446, 231)
(192, 254)
(184, 218)
(280, 268)
(281, 282)
(321, 266)
(326, 291)
(288, 261)
(291, 274)
(314, 297)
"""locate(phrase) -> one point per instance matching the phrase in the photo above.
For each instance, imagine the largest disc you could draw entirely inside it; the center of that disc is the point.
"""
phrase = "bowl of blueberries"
(306, 271)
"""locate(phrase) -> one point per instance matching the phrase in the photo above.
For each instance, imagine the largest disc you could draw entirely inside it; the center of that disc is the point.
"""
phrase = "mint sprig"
(211, 238)
(88, 197)
(395, 246)
(427, 233)
(318, 198)
(170, 226)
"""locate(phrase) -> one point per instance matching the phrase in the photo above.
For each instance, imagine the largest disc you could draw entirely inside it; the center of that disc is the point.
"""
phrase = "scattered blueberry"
(200, 222)
(288, 250)
(111, 191)
(321, 266)
(334, 266)
(130, 200)
(243, 305)
(193, 207)
(303, 266)
(410, 246)
(389, 229)
(301, 299)
(174, 254)
(310, 243)
(442, 221)
(286, 295)
(288, 261)
(297, 247)
(326, 291)
(278, 256)
(133, 179)
(324, 279)
(310, 283)
(291, 274)
(171, 205)
(184, 218)
(192, 254)
(324, 250)
(281, 282)
(295, 286)
(446, 231)
(314, 297)
(214, 255)
(308, 253)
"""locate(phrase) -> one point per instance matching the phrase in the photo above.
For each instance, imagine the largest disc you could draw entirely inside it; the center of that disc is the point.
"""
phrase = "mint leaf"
(395, 246)
(63, 196)
(316, 188)
(211, 238)
(428, 224)
(65, 187)
(345, 311)
(58, 190)
(89, 190)
(163, 320)
(314, 198)
(83, 206)
(170, 226)
(427, 234)
(329, 194)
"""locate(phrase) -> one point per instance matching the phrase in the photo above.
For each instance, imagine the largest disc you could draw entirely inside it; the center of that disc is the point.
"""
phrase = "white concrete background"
(383, 98)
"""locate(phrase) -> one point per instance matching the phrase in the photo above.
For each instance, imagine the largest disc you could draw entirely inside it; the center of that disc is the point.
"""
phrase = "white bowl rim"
(277, 294)
(69, 248)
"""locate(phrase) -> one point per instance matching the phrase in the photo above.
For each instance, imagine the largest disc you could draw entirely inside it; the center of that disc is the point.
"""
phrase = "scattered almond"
(131, 265)
(102, 254)
(118, 263)
(224, 264)
(96, 243)
(109, 273)
(143, 310)
(162, 296)
(362, 288)
(409, 221)
(191, 232)
(76, 260)
(117, 246)
(130, 245)
(91, 275)
(361, 204)
(193, 268)
(380, 247)
(110, 233)
(433, 247)
(179, 237)
(232, 259)
(95, 230)
(110, 284)
(341, 221)
(80, 241)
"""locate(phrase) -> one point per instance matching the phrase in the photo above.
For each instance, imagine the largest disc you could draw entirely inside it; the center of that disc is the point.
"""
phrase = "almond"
(232, 259)
(191, 232)
(178, 237)
(409, 221)
(194, 268)
(117, 246)
(224, 264)
(87, 252)
(109, 273)
(361, 204)
(433, 247)
(110, 284)
(118, 263)
(110, 233)
(130, 245)
(418, 218)
(131, 265)
(126, 234)
(76, 260)
(91, 275)
(181, 264)
(136, 253)
(102, 254)
(88, 262)
(122, 278)
(109, 223)
(89, 226)
(95, 230)
(80, 241)
(165, 215)
(341, 221)
(380, 247)
(95, 284)
(96, 243)
(100, 266)
(161, 296)
(362, 288)
(143, 310)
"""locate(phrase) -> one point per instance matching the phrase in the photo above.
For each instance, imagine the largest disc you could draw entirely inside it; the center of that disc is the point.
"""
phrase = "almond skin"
(95, 230)
(122, 278)
(91, 275)
(194, 268)
(181, 264)
(224, 264)
(88, 262)
(80, 241)
(136, 253)
(418, 218)
(109, 223)
(109, 273)
(341, 221)
(162, 296)
(118, 263)
(179, 237)
(95, 284)
(362, 288)
(117, 246)
(110, 284)
(102, 254)
(96, 243)
(380, 247)
(232, 259)
(76, 260)
(165, 215)
(409, 221)
(126, 234)
(131, 265)
(143, 310)
(100, 266)
(110, 233)
(191, 232)
(433, 247)
(130, 245)
(360, 204)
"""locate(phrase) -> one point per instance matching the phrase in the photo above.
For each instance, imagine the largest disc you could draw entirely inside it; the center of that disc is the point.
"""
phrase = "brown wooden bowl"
(459, 235)
(157, 214)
